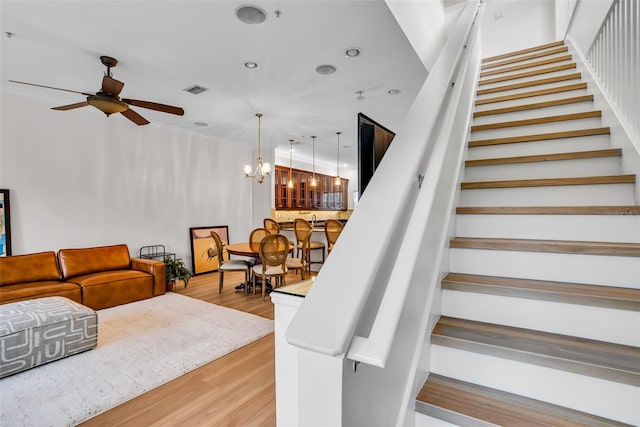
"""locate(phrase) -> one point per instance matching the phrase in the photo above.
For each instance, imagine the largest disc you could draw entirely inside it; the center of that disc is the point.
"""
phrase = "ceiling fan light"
(107, 106)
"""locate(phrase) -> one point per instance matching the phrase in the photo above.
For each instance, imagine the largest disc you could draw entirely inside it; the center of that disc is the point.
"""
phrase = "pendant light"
(290, 183)
(314, 181)
(338, 180)
(262, 169)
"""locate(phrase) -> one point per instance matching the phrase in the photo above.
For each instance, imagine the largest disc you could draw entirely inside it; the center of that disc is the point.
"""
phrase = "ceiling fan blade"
(135, 117)
(71, 106)
(51, 87)
(111, 85)
(155, 106)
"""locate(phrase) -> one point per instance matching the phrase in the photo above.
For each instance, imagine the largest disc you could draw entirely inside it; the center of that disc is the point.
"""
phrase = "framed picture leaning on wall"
(203, 255)
(5, 224)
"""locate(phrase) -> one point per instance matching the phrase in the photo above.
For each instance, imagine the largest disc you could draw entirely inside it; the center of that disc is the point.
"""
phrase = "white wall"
(524, 23)
(78, 179)
(423, 23)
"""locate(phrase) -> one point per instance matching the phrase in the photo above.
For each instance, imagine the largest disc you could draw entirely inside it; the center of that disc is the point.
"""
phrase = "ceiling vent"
(196, 89)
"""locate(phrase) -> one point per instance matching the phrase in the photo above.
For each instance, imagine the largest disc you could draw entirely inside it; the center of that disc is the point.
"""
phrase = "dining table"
(247, 249)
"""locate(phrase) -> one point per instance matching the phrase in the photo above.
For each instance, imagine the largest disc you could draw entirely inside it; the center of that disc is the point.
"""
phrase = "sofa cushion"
(29, 290)
(77, 262)
(42, 266)
(111, 288)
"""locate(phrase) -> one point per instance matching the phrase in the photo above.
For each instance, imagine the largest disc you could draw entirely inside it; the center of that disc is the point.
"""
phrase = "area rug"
(141, 345)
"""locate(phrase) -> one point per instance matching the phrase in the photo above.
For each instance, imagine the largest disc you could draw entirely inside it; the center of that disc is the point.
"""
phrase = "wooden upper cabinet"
(324, 196)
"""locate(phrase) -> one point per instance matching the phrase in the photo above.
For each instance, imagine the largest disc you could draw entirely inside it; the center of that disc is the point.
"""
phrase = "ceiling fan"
(108, 101)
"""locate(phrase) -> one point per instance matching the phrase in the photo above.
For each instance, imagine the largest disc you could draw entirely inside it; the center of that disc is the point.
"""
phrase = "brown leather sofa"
(98, 277)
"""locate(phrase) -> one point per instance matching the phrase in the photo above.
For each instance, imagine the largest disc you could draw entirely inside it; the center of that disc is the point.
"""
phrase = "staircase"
(540, 311)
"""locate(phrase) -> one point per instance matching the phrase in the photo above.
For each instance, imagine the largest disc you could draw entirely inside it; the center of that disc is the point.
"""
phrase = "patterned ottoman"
(41, 330)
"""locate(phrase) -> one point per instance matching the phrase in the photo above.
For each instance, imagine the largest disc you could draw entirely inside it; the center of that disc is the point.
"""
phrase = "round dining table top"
(247, 249)
(243, 249)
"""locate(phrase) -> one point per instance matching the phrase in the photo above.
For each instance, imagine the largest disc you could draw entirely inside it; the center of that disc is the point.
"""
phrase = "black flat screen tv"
(373, 142)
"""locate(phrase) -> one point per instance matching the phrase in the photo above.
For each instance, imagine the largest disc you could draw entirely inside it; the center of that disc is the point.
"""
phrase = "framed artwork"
(203, 259)
(5, 224)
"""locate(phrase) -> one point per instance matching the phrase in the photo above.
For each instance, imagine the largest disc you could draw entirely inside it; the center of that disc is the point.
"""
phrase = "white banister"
(358, 272)
(614, 57)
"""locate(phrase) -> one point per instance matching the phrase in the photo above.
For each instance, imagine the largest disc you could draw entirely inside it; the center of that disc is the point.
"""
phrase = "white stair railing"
(614, 57)
(370, 302)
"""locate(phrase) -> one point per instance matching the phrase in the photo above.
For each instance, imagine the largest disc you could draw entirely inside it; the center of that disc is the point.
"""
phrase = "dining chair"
(301, 228)
(301, 263)
(229, 265)
(332, 229)
(271, 225)
(274, 250)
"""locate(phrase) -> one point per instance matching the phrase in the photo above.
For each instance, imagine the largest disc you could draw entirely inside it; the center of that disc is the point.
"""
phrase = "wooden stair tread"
(539, 120)
(530, 83)
(524, 66)
(524, 74)
(550, 246)
(549, 210)
(555, 51)
(569, 293)
(550, 182)
(559, 89)
(473, 402)
(614, 362)
(540, 137)
(536, 105)
(524, 51)
(614, 152)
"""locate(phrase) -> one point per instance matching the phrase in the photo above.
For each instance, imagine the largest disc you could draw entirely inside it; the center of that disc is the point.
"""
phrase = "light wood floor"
(235, 390)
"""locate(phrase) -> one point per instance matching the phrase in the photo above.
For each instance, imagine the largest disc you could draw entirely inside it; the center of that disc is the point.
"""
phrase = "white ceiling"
(164, 47)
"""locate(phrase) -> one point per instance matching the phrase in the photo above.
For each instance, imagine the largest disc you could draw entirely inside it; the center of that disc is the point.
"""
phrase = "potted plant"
(176, 270)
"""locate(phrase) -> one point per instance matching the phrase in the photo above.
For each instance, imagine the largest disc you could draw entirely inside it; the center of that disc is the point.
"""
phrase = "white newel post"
(308, 385)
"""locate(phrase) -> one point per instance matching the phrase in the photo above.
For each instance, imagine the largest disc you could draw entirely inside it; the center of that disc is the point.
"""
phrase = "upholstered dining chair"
(274, 250)
(301, 263)
(301, 228)
(271, 225)
(229, 265)
(332, 229)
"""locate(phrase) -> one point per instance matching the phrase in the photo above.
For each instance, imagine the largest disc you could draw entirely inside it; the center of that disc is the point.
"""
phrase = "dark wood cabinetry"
(324, 196)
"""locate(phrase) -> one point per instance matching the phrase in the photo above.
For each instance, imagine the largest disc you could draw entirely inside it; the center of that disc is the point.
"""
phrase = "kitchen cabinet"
(324, 196)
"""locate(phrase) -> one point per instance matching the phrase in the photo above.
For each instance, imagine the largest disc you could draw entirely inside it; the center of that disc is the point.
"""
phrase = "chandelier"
(338, 180)
(314, 181)
(262, 169)
(290, 183)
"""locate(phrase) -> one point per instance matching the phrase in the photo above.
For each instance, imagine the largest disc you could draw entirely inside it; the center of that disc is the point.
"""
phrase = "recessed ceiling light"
(325, 69)
(393, 91)
(250, 65)
(251, 14)
(352, 52)
(201, 124)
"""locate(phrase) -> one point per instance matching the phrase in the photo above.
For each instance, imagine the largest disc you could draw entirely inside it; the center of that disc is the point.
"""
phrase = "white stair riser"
(523, 70)
(602, 270)
(588, 394)
(596, 323)
(576, 107)
(595, 228)
(531, 99)
(562, 145)
(565, 195)
(528, 79)
(422, 420)
(548, 169)
(564, 126)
